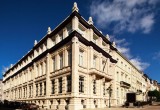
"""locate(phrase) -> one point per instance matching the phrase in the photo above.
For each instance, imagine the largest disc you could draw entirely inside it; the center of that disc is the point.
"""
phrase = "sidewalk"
(120, 108)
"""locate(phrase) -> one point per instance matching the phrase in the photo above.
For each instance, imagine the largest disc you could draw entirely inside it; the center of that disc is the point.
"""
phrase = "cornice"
(62, 43)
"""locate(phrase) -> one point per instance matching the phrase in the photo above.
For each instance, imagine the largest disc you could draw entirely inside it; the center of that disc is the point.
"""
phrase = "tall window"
(117, 76)
(40, 69)
(117, 92)
(60, 85)
(44, 88)
(61, 61)
(81, 84)
(94, 61)
(94, 86)
(69, 57)
(24, 91)
(29, 91)
(81, 58)
(53, 86)
(104, 90)
(40, 88)
(103, 65)
(69, 83)
(36, 89)
(54, 63)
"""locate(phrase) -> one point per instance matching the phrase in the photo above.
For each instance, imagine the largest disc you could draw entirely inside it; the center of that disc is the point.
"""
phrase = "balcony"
(125, 84)
(100, 73)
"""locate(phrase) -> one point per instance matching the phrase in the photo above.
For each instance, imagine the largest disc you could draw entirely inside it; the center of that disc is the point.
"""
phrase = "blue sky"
(133, 24)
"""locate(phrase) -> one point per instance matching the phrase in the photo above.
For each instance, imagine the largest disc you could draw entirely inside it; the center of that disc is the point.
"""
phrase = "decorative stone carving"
(75, 8)
(90, 21)
(35, 42)
(49, 30)
(107, 36)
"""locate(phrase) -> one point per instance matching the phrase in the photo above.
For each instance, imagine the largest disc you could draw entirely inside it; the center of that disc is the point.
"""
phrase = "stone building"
(1, 89)
(73, 67)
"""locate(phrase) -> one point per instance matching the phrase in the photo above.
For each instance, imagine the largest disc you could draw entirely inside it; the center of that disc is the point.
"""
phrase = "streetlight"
(109, 90)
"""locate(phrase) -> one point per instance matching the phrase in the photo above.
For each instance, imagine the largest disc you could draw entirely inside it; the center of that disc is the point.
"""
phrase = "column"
(65, 57)
(75, 23)
(100, 62)
(48, 82)
(74, 105)
(91, 57)
(75, 53)
(34, 75)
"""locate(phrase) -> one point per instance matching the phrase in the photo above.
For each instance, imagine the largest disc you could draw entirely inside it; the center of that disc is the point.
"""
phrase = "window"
(29, 91)
(24, 91)
(103, 65)
(40, 69)
(81, 58)
(53, 41)
(117, 76)
(69, 57)
(60, 85)
(61, 61)
(53, 86)
(94, 61)
(40, 88)
(69, 83)
(117, 92)
(69, 29)
(81, 84)
(61, 36)
(54, 63)
(95, 39)
(44, 88)
(94, 86)
(104, 90)
(36, 89)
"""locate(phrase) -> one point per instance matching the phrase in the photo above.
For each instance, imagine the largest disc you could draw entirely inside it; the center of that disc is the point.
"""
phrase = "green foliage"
(154, 93)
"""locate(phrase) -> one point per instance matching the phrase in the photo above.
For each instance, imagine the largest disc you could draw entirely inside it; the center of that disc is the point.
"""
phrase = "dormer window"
(95, 38)
(61, 36)
(69, 28)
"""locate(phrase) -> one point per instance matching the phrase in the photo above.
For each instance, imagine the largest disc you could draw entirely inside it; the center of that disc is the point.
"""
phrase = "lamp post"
(109, 90)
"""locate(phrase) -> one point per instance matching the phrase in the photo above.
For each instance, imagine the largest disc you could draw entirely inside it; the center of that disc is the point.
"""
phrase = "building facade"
(72, 68)
(1, 89)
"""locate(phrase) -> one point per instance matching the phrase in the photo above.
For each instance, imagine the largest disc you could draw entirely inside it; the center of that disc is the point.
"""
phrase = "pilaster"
(75, 23)
(48, 82)
(75, 53)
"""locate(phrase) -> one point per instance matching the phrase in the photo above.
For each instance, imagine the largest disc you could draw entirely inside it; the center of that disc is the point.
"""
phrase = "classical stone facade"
(1, 90)
(72, 68)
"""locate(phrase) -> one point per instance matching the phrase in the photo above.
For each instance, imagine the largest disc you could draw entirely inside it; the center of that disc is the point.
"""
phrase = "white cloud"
(124, 15)
(139, 64)
(123, 47)
(146, 23)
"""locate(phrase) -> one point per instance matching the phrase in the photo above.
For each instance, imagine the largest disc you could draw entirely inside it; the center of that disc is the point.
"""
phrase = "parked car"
(30, 106)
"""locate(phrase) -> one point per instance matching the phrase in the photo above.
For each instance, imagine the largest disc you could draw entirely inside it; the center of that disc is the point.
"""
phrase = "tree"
(154, 95)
